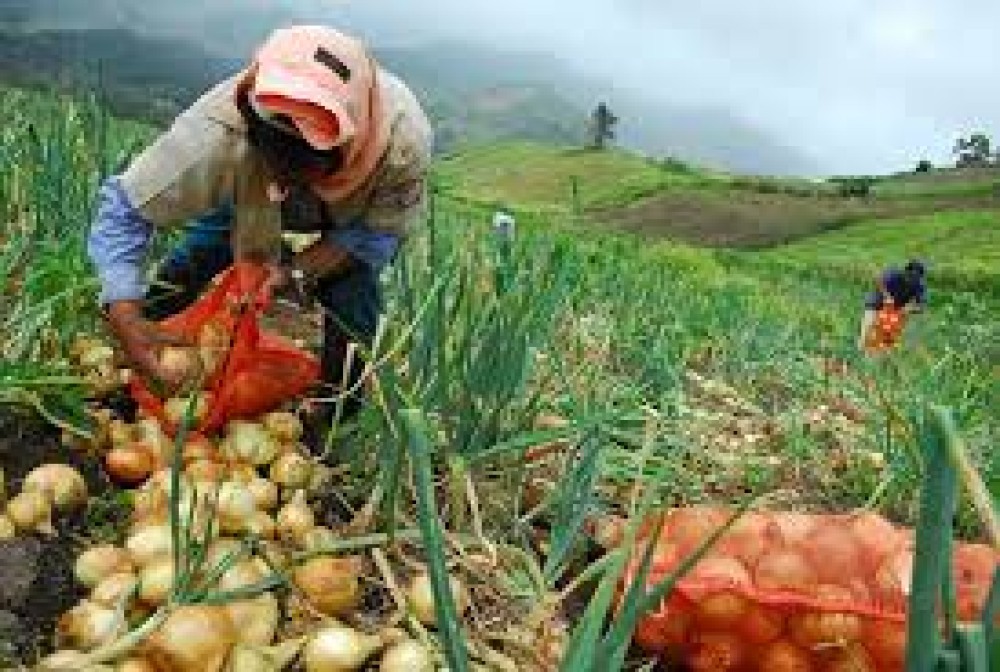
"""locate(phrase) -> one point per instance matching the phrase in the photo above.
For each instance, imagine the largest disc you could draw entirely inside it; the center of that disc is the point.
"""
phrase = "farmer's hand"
(142, 341)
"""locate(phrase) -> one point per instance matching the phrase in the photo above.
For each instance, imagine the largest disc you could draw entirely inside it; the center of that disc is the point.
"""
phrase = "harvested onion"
(236, 506)
(249, 442)
(295, 518)
(248, 658)
(99, 562)
(121, 433)
(833, 551)
(407, 656)
(784, 571)
(198, 447)
(420, 597)
(181, 364)
(205, 471)
(88, 625)
(715, 652)
(284, 426)
(68, 660)
(291, 470)
(129, 465)
(827, 628)
(150, 542)
(31, 511)
(112, 590)
(255, 620)
(194, 638)
(783, 656)
(338, 648)
(265, 493)
(135, 665)
(61, 483)
(156, 580)
(261, 524)
(176, 408)
(331, 585)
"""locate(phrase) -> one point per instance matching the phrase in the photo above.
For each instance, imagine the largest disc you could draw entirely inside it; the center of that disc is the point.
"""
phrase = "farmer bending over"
(313, 136)
(903, 290)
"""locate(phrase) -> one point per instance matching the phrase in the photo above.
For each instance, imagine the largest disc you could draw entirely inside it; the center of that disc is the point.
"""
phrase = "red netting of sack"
(254, 371)
(787, 591)
(887, 328)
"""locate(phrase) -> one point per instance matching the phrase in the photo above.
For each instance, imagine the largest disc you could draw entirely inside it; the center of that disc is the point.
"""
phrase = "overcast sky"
(858, 85)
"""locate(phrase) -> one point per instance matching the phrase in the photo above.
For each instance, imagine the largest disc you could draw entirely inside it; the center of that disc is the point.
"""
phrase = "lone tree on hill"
(602, 126)
(973, 151)
(924, 166)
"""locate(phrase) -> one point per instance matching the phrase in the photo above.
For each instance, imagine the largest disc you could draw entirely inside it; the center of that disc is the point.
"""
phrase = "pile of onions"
(291, 470)
(31, 511)
(100, 562)
(88, 625)
(249, 442)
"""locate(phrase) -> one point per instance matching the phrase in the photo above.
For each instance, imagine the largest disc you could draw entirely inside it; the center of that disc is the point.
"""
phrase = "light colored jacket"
(204, 161)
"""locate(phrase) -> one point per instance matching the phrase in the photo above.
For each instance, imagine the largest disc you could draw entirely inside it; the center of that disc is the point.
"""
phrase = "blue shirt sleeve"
(117, 244)
(374, 248)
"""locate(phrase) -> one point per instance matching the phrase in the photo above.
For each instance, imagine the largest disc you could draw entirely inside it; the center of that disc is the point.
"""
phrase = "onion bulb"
(31, 511)
(833, 551)
(95, 354)
(316, 538)
(235, 506)
(249, 442)
(205, 471)
(265, 493)
(715, 652)
(284, 426)
(255, 620)
(338, 648)
(893, 578)
(291, 470)
(99, 562)
(149, 542)
(407, 656)
(176, 408)
(784, 571)
(783, 656)
(61, 483)
(88, 625)
(420, 596)
(156, 581)
(243, 575)
(852, 658)
(331, 585)
(261, 524)
(194, 638)
(7, 530)
(827, 628)
(150, 434)
(129, 465)
(295, 518)
(221, 550)
(135, 665)
(761, 624)
(886, 642)
(792, 528)
(181, 363)
(113, 590)
(196, 448)
(877, 536)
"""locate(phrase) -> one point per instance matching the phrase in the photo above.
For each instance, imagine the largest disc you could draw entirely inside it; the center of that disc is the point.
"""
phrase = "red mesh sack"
(786, 591)
(257, 370)
(887, 329)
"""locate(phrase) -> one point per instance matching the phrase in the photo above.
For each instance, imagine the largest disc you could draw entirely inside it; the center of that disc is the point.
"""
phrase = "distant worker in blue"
(898, 293)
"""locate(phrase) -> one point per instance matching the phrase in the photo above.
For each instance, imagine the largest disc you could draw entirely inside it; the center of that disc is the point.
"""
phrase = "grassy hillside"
(668, 199)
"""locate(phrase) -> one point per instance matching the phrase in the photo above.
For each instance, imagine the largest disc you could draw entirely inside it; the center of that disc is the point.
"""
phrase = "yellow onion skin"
(265, 493)
(149, 542)
(332, 585)
(61, 483)
(31, 511)
(338, 648)
(255, 620)
(406, 656)
(420, 595)
(284, 426)
(114, 589)
(99, 562)
(295, 519)
(88, 625)
(249, 442)
(291, 470)
(136, 665)
(176, 409)
(68, 660)
(156, 580)
(194, 638)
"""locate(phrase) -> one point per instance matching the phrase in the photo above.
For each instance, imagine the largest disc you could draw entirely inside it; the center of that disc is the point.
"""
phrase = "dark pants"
(352, 299)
